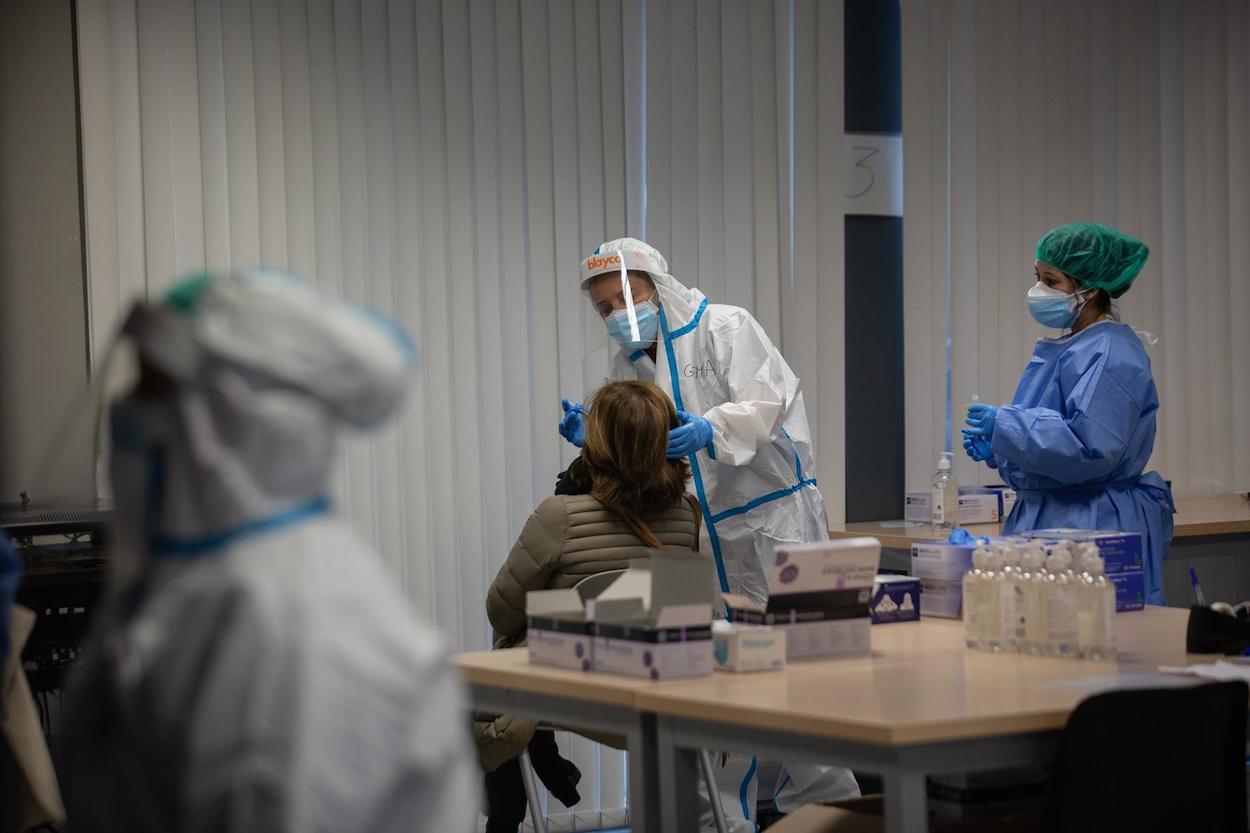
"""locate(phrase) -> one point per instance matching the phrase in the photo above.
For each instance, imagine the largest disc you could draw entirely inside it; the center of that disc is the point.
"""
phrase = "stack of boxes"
(941, 565)
(1122, 559)
(819, 596)
(654, 621)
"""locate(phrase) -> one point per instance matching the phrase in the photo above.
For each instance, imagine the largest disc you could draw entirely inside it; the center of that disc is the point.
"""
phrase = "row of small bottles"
(1029, 599)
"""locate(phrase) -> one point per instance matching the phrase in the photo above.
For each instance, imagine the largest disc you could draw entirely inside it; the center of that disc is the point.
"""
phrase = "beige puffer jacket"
(568, 538)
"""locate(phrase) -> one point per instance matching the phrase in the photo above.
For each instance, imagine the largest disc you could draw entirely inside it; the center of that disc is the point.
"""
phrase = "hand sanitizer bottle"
(1095, 608)
(973, 584)
(944, 495)
(1033, 585)
(1009, 605)
(991, 606)
(1060, 595)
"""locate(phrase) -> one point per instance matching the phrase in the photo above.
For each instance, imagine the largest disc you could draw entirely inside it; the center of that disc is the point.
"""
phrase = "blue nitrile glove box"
(1121, 551)
(895, 599)
(1130, 591)
(1121, 556)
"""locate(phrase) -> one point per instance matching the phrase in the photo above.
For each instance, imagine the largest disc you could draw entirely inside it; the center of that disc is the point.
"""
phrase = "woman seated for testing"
(1081, 427)
(620, 498)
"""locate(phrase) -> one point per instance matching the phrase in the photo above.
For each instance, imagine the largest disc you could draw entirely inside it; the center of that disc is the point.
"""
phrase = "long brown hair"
(626, 440)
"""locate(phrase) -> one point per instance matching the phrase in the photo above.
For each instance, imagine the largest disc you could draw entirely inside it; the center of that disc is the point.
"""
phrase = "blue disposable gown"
(1075, 440)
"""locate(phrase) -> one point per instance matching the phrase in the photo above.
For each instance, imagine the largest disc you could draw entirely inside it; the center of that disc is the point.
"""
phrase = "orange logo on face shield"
(598, 262)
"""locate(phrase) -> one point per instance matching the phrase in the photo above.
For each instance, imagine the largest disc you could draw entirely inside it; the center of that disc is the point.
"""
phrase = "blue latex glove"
(692, 434)
(573, 425)
(981, 419)
(977, 447)
(962, 537)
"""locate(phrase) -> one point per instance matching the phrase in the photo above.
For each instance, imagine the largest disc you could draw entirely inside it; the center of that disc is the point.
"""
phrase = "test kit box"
(819, 595)
(895, 599)
(557, 631)
(941, 566)
(941, 598)
(1005, 498)
(941, 560)
(978, 508)
(916, 508)
(655, 621)
(748, 647)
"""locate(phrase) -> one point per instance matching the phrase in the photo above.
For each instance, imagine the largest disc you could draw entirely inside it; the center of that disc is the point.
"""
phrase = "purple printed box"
(819, 594)
(557, 632)
(895, 599)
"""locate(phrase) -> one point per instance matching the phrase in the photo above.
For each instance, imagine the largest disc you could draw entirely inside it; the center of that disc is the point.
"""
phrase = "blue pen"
(1193, 579)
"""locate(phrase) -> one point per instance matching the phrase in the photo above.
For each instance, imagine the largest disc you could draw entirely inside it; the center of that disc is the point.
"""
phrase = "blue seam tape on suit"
(700, 492)
(164, 546)
(742, 790)
(760, 501)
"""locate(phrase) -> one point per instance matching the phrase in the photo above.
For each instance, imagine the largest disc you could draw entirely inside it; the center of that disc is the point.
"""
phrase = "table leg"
(644, 779)
(678, 768)
(906, 809)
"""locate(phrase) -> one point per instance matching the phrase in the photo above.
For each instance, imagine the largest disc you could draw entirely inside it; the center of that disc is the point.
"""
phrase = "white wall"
(1019, 116)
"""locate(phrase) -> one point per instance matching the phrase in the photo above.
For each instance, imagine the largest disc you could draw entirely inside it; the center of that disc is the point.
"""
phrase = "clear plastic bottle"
(1010, 606)
(1060, 593)
(944, 495)
(973, 583)
(1095, 608)
(1033, 585)
(990, 613)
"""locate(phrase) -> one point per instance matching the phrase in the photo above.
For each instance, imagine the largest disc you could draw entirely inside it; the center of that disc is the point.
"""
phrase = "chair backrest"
(1142, 760)
(592, 586)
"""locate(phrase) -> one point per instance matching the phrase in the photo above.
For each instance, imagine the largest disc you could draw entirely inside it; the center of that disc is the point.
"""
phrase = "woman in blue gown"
(1081, 427)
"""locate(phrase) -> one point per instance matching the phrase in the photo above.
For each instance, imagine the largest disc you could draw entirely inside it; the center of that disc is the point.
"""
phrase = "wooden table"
(921, 704)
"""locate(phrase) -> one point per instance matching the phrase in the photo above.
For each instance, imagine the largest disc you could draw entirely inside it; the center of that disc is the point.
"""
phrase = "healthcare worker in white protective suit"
(746, 435)
(256, 667)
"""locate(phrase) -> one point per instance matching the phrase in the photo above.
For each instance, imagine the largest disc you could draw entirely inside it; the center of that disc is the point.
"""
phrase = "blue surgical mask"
(648, 315)
(1052, 308)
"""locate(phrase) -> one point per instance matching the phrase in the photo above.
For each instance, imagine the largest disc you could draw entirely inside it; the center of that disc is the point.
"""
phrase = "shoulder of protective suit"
(726, 318)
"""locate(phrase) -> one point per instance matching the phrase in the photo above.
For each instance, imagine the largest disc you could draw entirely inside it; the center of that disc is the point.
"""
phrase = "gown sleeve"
(1087, 440)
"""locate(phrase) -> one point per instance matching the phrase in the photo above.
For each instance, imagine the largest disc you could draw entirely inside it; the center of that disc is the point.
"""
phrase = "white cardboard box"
(977, 505)
(655, 621)
(978, 508)
(748, 647)
(819, 595)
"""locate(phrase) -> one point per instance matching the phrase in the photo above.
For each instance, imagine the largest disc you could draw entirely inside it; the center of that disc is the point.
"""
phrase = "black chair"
(1142, 760)
(1130, 761)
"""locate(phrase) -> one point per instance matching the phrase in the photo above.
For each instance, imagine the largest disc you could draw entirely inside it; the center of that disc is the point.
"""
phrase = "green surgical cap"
(184, 296)
(1095, 255)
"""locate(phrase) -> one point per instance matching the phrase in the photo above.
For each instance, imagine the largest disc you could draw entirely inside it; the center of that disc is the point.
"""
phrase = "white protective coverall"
(256, 668)
(756, 486)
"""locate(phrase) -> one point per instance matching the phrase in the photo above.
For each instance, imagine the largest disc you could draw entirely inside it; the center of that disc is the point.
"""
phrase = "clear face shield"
(94, 460)
(622, 307)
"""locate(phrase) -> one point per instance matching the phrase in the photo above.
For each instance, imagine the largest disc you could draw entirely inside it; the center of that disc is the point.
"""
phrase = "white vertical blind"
(743, 181)
(450, 163)
(1019, 116)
